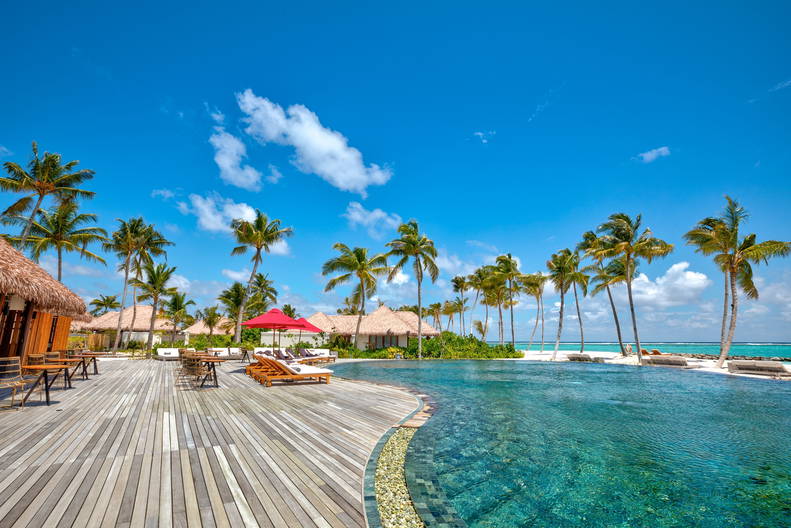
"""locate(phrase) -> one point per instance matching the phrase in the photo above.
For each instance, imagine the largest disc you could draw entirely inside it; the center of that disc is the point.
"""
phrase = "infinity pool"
(518, 443)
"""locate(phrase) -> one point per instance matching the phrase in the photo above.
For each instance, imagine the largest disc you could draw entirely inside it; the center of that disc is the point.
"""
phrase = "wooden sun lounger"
(668, 361)
(774, 369)
(272, 370)
(584, 358)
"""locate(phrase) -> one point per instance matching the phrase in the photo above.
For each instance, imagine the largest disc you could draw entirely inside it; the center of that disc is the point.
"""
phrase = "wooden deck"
(128, 448)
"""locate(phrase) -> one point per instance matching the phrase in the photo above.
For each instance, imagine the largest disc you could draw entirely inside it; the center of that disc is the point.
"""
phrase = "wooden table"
(44, 376)
(73, 362)
(93, 357)
(211, 362)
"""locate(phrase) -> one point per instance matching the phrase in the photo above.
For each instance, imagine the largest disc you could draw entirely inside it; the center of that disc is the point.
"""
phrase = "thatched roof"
(200, 328)
(109, 321)
(382, 321)
(21, 276)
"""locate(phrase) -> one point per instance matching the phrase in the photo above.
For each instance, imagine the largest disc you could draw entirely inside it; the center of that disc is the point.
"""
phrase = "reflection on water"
(538, 444)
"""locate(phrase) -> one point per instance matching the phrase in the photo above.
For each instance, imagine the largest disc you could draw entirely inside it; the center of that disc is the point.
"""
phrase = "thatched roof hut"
(224, 327)
(109, 320)
(23, 277)
(382, 321)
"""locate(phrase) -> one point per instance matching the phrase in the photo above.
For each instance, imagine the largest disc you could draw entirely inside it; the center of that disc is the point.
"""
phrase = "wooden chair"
(773, 369)
(276, 371)
(11, 377)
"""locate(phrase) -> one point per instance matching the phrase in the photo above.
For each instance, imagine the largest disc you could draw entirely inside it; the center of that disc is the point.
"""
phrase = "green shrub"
(451, 346)
(381, 353)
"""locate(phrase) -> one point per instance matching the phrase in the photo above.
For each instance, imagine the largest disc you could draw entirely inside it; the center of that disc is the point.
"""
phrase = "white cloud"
(376, 222)
(677, 287)
(229, 152)
(484, 137)
(654, 154)
(482, 245)
(180, 282)
(214, 212)
(165, 194)
(50, 264)
(780, 86)
(4, 152)
(239, 276)
(452, 265)
(274, 174)
(318, 150)
(400, 278)
(217, 116)
(280, 248)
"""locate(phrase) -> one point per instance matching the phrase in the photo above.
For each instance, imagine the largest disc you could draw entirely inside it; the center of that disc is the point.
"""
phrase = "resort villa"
(134, 327)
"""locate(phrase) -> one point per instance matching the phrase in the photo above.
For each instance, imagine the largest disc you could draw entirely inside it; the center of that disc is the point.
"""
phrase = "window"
(382, 341)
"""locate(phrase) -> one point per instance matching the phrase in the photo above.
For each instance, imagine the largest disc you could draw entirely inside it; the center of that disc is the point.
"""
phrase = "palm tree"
(63, 229)
(578, 278)
(560, 268)
(46, 176)
(534, 285)
(480, 328)
(211, 317)
(496, 293)
(290, 311)
(264, 294)
(176, 310)
(622, 237)
(435, 310)
(150, 244)
(605, 276)
(354, 264)
(460, 285)
(460, 306)
(104, 304)
(475, 282)
(351, 306)
(124, 243)
(412, 244)
(509, 270)
(720, 237)
(259, 234)
(153, 288)
(231, 300)
(449, 310)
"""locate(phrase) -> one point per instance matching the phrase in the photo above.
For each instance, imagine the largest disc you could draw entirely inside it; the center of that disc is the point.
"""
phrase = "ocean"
(713, 349)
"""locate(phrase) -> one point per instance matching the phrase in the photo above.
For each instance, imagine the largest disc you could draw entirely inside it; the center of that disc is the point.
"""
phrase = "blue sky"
(501, 128)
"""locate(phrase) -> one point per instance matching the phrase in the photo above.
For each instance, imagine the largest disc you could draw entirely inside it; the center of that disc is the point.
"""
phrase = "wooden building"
(37, 310)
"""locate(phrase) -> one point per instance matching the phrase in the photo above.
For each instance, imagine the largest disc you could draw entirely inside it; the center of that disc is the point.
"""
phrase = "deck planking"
(133, 448)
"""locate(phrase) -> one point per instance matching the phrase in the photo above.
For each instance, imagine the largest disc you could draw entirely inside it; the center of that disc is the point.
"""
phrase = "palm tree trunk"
(617, 322)
(150, 341)
(485, 321)
(419, 319)
(560, 323)
(60, 264)
(542, 323)
(725, 308)
(511, 301)
(579, 318)
(237, 333)
(634, 317)
(211, 333)
(732, 326)
(29, 224)
(134, 300)
(535, 327)
(500, 329)
(359, 315)
(123, 302)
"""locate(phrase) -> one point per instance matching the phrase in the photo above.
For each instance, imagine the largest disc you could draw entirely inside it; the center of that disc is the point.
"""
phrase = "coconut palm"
(154, 287)
(351, 306)
(231, 301)
(496, 294)
(103, 304)
(533, 284)
(508, 268)
(354, 264)
(622, 237)
(460, 285)
(435, 311)
(460, 306)
(561, 270)
(264, 294)
(124, 243)
(175, 309)
(149, 244)
(720, 237)
(449, 310)
(64, 230)
(578, 278)
(260, 235)
(290, 311)
(211, 317)
(417, 246)
(480, 328)
(475, 282)
(45, 176)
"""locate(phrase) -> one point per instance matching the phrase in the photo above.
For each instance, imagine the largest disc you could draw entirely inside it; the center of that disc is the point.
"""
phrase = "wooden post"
(27, 317)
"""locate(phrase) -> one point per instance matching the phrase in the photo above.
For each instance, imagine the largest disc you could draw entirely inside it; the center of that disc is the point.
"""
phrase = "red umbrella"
(274, 319)
(308, 326)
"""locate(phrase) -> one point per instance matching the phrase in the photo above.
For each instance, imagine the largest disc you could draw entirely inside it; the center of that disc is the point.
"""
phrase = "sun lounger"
(773, 369)
(272, 370)
(584, 358)
(668, 361)
(169, 354)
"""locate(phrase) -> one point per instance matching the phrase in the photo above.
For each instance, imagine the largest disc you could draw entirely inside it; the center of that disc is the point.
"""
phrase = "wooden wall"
(38, 337)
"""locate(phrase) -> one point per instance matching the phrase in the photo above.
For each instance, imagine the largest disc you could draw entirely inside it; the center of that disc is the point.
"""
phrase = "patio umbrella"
(274, 319)
(308, 327)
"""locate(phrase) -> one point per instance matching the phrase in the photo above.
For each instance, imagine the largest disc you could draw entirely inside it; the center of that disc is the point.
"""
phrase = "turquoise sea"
(541, 444)
(737, 349)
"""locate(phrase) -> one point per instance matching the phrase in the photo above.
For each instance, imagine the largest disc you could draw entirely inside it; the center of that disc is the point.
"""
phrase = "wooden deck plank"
(133, 448)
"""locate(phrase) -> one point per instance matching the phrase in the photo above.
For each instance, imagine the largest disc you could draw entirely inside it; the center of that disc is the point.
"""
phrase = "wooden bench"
(773, 369)
(668, 361)
(583, 358)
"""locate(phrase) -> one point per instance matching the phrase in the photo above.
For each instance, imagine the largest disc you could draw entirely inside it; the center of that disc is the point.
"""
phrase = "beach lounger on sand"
(270, 370)
(668, 361)
(585, 358)
(774, 369)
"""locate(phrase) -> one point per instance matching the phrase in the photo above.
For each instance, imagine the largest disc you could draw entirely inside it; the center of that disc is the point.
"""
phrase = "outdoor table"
(73, 362)
(245, 356)
(211, 362)
(44, 376)
(92, 356)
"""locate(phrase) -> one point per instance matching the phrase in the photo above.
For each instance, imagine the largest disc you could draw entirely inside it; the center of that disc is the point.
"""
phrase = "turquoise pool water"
(737, 349)
(573, 445)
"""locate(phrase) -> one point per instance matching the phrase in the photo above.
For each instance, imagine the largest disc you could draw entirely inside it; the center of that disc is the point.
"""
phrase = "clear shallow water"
(737, 349)
(555, 445)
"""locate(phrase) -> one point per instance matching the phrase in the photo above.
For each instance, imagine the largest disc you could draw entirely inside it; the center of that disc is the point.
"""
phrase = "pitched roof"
(109, 321)
(411, 319)
(21, 276)
(224, 327)
(382, 321)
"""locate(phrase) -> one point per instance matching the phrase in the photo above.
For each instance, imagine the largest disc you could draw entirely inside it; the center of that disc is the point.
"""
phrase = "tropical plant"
(480, 328)
(260, 235)
(449, 310)
(103, 304)
(459, 307)
(460, 286)
(153, 288)
(351, 306)
(124, 243)
(719, 236)
(435, 311)
(578, 278)
(290, 311)
(475, 282)
(496, 294)
(175, 309)
(64, 230)
(231, 301)
(614, 272)
(412, 244)
(622, 237)
(355, 265)
(533, 284)
(561, 269)
(45, 176)
(211, 317)
(150, 243)
(508, 269)
(263, 295)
